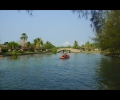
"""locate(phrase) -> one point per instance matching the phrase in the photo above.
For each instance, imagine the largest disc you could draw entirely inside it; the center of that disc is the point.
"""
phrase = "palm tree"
(24, 38)
(37, 43)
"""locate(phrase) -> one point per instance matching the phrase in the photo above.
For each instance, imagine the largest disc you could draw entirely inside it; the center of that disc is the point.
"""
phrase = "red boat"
(64, 56)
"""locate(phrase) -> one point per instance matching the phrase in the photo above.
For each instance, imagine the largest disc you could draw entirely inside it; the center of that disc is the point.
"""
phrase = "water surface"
(82, 71)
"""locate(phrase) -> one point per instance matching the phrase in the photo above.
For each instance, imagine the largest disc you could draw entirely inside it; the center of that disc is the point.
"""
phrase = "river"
(82, 71)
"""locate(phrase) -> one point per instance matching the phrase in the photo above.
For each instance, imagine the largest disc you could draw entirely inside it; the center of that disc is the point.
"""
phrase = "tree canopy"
(97, 18)
(75, 46)
(109, 39)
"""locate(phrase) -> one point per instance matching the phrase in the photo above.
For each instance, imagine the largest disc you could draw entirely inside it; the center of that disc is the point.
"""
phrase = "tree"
(28, 45)
(24, 39)
(97, 18)
(48, 45)
(37, 43)
(68, 46)
(75, 46)
(12, 45)
(5, 43)
(109, 39)
(87, 45)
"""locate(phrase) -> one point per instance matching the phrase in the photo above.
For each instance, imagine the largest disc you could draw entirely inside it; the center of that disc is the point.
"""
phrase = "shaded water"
(81, 71)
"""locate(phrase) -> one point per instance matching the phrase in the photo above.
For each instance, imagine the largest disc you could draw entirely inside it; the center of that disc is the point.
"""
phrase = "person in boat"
(65, 54)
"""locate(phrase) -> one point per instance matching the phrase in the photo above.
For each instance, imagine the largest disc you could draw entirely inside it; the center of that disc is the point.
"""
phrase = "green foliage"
(38, 42)
(97, 18)
(5, 43)
(88, 46)
(4, 50)
(13, 45)
(31, 49)
(54, 50)
(48, 45)
(75, 46)
(20, 51)
(24, 36)
(14, 54)
(24, 39)
(109, 39)
(68, 46)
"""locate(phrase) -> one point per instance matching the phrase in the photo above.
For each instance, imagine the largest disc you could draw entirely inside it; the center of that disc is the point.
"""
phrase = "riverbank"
(26, 53)
(1, 55)
(112, 55)
(91, 52)
(105, 53)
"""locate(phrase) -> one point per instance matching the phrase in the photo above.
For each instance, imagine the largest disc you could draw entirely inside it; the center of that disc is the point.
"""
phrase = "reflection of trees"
(109, 74)
(38, 56)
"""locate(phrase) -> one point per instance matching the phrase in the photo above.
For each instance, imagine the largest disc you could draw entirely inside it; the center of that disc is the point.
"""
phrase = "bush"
(54, 50)
(1, 53)
(89, 49)
(14, 54)
(4, 50)
(31, 49)
(20, 51)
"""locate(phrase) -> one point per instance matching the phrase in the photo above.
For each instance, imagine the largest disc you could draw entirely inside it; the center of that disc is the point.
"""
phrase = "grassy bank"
(91, 52)
(24, 53)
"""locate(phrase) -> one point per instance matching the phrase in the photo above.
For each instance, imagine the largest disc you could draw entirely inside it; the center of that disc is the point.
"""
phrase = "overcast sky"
(60, 27)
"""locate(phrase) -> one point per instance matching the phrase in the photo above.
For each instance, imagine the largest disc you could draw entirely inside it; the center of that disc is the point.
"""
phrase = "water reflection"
(48, 71)
(109, 74)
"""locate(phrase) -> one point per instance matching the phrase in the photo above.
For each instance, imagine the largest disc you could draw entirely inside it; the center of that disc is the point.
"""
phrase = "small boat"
(64, 56)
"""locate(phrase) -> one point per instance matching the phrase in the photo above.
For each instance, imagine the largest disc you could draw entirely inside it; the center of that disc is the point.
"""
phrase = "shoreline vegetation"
(25, 53)
(23, 47)
(112, 55)
(47, 52)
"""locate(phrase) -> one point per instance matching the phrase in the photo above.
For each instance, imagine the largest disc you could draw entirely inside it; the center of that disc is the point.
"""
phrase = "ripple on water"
(49, 72)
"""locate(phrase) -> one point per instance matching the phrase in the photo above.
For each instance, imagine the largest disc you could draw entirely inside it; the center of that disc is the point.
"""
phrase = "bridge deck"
(69, 49)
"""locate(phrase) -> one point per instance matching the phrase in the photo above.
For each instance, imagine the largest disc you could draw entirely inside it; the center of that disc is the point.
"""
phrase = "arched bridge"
(68, 50)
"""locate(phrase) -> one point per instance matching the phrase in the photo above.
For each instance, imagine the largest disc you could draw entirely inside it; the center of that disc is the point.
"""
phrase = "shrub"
(1, 53)
(4, 50)
(14, 54)
(54, 50)
(31, 49)
(20, 51)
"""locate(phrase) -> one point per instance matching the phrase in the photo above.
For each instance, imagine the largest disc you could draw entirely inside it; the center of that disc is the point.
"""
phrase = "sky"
(60, 27)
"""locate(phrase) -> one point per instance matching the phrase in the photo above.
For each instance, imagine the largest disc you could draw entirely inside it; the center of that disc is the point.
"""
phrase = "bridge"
(68, 50)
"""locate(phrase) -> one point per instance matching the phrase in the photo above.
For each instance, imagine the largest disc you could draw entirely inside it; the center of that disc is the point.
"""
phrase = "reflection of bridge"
(68, 50)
